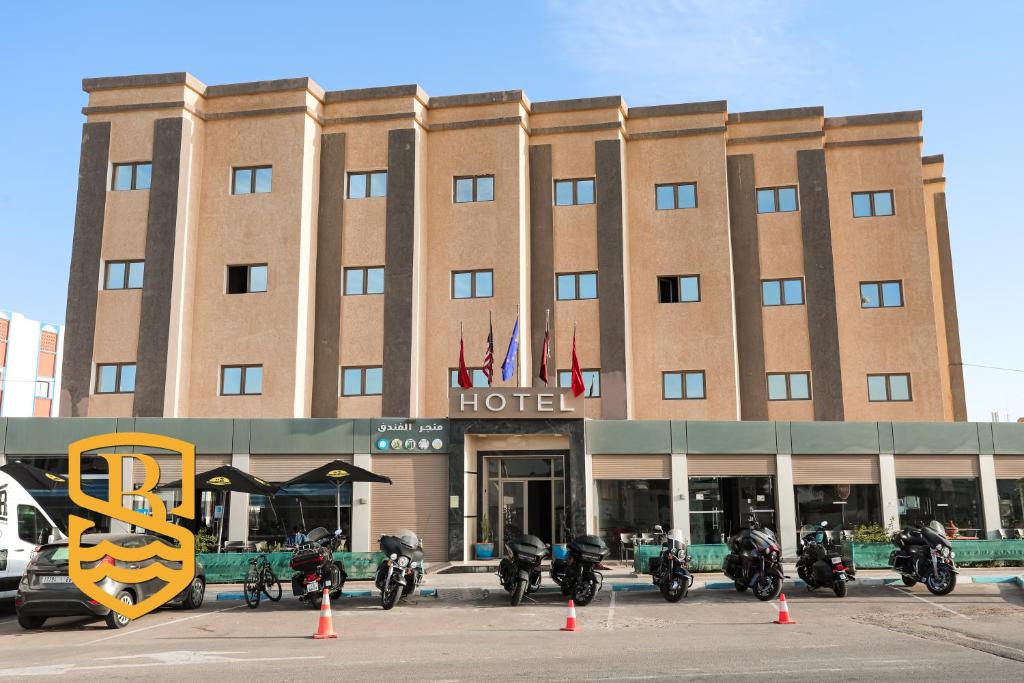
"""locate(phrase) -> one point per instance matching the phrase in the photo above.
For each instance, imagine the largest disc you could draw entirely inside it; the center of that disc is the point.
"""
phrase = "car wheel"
(116, 620)
(26, 621)
(196, 593)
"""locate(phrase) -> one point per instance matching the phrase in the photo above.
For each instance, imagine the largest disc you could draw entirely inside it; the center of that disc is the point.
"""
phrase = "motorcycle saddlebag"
(653, 565)
(307, 559)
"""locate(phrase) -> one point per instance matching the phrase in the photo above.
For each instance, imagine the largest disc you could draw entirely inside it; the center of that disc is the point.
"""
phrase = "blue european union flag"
(508, 368)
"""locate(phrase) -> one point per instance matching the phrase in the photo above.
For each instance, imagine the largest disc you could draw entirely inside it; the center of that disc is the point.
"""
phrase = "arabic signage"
(409, 436)
(522, 403)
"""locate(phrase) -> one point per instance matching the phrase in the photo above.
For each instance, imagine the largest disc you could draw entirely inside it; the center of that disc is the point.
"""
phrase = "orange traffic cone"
(783, 611)
(570, 620)
(326, 627)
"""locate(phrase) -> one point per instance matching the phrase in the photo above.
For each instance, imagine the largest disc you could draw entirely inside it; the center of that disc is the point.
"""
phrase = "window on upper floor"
(472, 284)
(881, 294)
(476, 374)
(132, 176)
(676, 289)
(682, 385)
(251, 179)
(889, 387)
(776, 199)
(367, 184)
(364, 281)
(241, 380)
(247, 279)
(675, 196)
(473, 189)
(785, 292)
(591, 380)
(115, 378)
(124, 275)
(574, 191)
(44, 387)
(572, 286)
(362, 381)
(878, 203)
(789, 386)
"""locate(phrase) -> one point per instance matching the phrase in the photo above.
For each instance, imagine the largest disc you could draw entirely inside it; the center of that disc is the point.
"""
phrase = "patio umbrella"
(336, 472)
(32, 477)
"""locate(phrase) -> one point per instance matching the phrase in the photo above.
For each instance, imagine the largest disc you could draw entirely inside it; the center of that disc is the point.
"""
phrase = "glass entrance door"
(513, 510)
(524, 495)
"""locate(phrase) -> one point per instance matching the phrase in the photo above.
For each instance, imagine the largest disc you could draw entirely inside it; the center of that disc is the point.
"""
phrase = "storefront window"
(1011, 503)
(952, 502)
(719, 506)
(305, 506)
(632, 506)
(843, 506)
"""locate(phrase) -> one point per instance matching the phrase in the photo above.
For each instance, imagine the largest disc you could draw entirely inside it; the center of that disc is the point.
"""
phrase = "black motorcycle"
(820, 563)
(401, 570)
(669, 570)
(519, 570)
(315, 567)
(576, 573)
(924, 554)
(755, 561)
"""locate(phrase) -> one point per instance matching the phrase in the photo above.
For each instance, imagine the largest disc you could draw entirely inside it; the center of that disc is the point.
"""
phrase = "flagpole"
(519, 366)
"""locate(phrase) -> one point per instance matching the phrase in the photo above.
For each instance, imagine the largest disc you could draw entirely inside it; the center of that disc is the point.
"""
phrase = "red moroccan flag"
(545, 354)
(465, 380)
(578, 387)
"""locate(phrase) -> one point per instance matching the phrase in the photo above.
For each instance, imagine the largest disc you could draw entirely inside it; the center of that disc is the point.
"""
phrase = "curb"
(422, 592)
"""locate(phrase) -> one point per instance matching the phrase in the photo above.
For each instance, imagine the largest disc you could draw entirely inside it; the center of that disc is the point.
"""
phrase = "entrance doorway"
(524, 495)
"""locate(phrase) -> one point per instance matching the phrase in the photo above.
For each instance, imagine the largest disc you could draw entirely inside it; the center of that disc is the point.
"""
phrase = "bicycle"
(261, 579)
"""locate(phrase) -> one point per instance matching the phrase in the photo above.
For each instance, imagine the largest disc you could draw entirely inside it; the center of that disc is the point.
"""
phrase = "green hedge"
(232, 567)
(703, 558)
(876, 555)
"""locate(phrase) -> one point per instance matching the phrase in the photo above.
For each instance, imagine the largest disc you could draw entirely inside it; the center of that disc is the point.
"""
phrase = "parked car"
(46, 589)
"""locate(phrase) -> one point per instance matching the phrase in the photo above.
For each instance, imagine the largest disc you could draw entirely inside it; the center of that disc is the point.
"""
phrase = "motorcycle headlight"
(774, 556)
(403, 561)
(414, 564)
(394, 556)
(946, 552)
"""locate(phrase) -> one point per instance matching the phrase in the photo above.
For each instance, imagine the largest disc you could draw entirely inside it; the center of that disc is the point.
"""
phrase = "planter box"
(232, 567)
(876, 555)
(484, 551)
(703, 557)
(559, 551)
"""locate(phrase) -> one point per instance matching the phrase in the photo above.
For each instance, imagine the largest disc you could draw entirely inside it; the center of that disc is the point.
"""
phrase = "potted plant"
(559, 551)
(485, 549)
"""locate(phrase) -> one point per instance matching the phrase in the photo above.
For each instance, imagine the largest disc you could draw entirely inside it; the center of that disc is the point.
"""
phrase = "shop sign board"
(400, 435)
(524, 403)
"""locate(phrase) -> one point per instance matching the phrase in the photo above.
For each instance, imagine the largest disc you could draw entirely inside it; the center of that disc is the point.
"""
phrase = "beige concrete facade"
(283, 124)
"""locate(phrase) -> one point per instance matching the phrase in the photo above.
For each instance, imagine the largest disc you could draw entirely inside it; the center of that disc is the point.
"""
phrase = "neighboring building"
(274, 250)
(31, 355)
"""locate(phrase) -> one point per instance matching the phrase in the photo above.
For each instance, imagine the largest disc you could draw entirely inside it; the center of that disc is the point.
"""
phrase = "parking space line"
(611, 612)
(165, 623)
(926, 600)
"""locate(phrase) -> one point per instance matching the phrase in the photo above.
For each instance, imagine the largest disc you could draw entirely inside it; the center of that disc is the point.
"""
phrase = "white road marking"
(926, 600)
(611, 612)
(175, 658)
(165, 623)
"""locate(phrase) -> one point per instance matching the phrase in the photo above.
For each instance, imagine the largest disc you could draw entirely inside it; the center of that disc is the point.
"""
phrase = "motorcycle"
(669, 570)
(575, 574)
(755, 561)
(924, 554)
(519, 570)
(820, 564)
(401, 570)
(315, 568)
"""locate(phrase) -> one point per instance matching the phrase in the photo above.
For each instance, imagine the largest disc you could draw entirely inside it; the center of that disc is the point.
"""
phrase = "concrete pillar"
(890, 498)
(127, 472)
(989, 494)
(680, 487)
(786, 504)
(361, 502)
(238, 519)
(588, 467)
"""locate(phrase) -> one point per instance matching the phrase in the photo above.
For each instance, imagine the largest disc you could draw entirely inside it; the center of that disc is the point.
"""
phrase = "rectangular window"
(364, 280)
(575, 191)
(123, 275)
(241, 380)
(682, 385)
(572, 286)
(776, 199)
(133, 176)
(881, 294)
(788, 292)
(675, 196)
(675, 289)
(474, 189)
(472, 284)
(44, 388)
(115, 378)
(591, 380)
(363, 381)
(251, 179)
(367, 184)
(476, 374)
(248, 279)
(895, 387)
(789, 386)
(867, 204)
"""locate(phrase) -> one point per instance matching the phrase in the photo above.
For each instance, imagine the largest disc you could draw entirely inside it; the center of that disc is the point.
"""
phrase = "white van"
(23, 526)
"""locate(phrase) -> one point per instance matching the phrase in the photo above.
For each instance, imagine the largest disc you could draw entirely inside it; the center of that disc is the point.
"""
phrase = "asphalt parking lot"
(878, 633)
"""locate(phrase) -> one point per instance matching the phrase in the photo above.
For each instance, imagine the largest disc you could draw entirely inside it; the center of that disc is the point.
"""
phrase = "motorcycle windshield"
(674, 541)
(763, 538)
(409, 539)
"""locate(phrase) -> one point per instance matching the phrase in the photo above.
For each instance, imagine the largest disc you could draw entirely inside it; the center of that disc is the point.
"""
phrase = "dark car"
(46, 589)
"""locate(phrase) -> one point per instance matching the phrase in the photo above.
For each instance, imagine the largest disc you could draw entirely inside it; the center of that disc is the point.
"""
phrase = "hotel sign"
(517, 404)
(399, 435)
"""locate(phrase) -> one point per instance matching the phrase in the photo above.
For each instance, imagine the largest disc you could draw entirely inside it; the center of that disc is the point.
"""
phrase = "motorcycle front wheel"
(584, 593)
(943, 582)
(518, 592)
(674, 589)
(768, 587)
(839, 588)
(389, 596)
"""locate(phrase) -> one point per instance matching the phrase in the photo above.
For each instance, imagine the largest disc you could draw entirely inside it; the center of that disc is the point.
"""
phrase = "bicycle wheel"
(252, 589)
(271, 584)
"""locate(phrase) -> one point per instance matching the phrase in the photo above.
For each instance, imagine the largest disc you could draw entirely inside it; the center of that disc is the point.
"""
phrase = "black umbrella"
(336, 472)
(32, 477)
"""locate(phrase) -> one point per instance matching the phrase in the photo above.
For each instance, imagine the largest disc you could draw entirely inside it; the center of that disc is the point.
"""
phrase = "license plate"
(54, 579)
(837, 560)
(312, 587)
(841, 575)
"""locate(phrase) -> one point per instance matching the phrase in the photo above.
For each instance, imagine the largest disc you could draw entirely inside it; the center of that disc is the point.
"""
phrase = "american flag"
(488, 367)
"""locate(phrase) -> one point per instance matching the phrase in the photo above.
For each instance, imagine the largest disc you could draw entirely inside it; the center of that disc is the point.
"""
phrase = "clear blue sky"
(959, 62)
